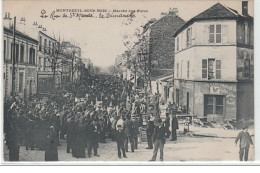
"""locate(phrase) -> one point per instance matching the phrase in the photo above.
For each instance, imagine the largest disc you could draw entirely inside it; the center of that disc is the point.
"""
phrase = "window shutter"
(205, 34)
(225, 34)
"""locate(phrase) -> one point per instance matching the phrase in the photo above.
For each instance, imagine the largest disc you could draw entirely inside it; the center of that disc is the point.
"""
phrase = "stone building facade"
(214, 65)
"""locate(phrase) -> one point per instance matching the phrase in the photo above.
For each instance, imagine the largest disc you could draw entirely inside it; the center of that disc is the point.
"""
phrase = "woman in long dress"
(51, 148)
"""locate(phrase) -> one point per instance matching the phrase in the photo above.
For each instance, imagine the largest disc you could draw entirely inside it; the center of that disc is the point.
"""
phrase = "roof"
(217, 11)
(20, 34)
(42, 33)
(160, 73)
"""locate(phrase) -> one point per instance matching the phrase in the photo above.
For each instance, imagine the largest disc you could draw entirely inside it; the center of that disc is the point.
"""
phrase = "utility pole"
(13, 59)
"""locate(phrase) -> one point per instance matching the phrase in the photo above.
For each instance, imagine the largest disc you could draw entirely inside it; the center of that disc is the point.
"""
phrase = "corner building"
(214, 64)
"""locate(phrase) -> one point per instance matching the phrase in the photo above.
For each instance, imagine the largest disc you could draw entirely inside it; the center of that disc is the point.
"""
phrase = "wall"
(242, 55)
(227, 89)
(245, 100)
(184, 87)
(28, 70)
(241, 32)
(162, 40)
(200, 34)
(227, 55)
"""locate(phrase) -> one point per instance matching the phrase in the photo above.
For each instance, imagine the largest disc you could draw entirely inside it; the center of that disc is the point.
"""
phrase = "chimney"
(173, 11)
(245, 8)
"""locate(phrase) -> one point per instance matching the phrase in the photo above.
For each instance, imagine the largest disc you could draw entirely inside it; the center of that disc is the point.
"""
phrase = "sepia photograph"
(142, 82)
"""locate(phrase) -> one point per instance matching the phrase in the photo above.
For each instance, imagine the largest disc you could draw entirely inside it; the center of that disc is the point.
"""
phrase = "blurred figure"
(244, 145)
(51, 151)
(159, 140)
(120, 138)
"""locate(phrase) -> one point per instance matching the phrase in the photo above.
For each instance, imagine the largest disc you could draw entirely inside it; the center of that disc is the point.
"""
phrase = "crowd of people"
(106, 107)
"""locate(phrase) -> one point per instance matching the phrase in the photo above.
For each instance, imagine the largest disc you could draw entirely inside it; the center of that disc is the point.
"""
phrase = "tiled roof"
(217, 11)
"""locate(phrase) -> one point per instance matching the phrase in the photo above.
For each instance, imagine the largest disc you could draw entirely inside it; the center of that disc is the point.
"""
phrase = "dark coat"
(93, 133)
(135, 127)
(159, 133)
(120, 136)
(175, 124)
(51, 151)
(150, 127)
(128, 126)
(245, 139)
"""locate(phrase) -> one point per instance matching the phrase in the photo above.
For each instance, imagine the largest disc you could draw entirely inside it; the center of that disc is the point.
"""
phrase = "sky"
(101, 40)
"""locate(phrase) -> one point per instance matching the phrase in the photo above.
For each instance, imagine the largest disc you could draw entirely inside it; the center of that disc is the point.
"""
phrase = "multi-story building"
(45, 64)
(25, 83)
(214, 64)
(157, 52)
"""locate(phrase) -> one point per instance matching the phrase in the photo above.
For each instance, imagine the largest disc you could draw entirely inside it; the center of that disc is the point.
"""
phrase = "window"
(49, 46)
(218, 69)
(177, 70)
(218, 33)
(53, 48)
(44, 64)
(22, 53)
(210, 105)
(40, 61)
(215, 33)
(4, 49)
(211, 33)
(214, 104)
(17, 53)
(178, 44)
(247, 68)
(40, 44)
(211, 69)
(247, 33)
(45, 45)
(204, 68)
(219, 105)
(188, 37)
(32, 56)
(188, 69)
(21, 82)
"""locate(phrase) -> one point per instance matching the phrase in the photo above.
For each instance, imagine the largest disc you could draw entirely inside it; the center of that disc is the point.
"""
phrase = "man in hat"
(149, 132)
(94, 131)
(135, 131)
(120, 138)
(245, 141)
(159, 140)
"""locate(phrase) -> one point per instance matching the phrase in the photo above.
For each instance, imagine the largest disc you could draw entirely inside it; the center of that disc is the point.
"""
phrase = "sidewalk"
(214, 132)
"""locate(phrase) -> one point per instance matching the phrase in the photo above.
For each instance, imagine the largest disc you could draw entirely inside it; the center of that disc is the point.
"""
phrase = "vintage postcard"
(128, 82)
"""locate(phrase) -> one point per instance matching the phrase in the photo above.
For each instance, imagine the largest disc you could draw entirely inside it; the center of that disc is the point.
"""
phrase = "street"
(185, 149)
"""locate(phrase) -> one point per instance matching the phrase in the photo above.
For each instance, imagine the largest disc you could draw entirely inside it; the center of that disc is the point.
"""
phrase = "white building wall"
(200, 48)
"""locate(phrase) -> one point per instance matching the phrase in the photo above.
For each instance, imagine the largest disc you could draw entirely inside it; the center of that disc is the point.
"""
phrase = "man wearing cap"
(159, 140)
(245, 141)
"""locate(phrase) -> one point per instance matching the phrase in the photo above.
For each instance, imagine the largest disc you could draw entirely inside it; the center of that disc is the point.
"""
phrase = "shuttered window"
(204, 68)
(218, 69)
(218, 33)
(211, 33)
(215, 33)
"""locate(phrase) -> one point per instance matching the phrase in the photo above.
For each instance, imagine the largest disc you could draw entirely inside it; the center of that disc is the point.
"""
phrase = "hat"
(245, 127)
